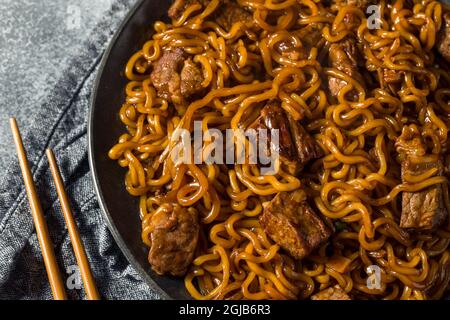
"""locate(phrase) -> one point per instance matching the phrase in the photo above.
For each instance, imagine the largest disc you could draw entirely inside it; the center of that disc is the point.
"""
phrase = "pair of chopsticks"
(51, 266)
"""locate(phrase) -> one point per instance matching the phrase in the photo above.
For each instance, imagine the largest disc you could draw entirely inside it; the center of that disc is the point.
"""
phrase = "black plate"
(121, 210)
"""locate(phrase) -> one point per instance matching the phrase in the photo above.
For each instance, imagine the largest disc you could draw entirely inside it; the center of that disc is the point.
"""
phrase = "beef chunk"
(174, 237)
(176, 77)
(273, 117)
(191, 79)
(392, 76)
(305, 145)
(410, 142)
(422, 210)
(310, 36)
(291, 52)
(166, 74)
(179, 6)
(332, 293)
(230, 13)
(296, 147)
(345, 57)
(443, 43)
(292, 224)
(352, 21)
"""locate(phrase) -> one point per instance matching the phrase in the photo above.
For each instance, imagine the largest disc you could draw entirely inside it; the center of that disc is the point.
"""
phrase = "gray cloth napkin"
(49, 55)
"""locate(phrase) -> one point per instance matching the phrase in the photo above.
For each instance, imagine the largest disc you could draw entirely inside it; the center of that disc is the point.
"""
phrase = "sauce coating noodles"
(357, 185)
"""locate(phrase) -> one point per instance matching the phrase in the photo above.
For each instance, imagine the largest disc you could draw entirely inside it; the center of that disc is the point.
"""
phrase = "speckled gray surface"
(49, 53)
(37, 41)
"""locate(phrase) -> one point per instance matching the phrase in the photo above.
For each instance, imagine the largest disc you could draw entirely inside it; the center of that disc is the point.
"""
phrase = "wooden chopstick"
(51, 266)
(77, 244)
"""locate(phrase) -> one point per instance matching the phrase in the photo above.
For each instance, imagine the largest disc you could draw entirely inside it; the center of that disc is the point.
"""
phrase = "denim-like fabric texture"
(46, 77)
(55, 116)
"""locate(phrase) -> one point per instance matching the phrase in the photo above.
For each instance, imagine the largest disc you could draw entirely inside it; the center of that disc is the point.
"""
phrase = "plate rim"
(92, 163)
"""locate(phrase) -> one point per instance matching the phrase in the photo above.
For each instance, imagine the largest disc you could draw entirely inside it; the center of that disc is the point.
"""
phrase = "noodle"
(356, 184)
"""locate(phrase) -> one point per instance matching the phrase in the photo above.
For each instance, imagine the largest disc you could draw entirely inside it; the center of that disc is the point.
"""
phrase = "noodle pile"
(357, 185)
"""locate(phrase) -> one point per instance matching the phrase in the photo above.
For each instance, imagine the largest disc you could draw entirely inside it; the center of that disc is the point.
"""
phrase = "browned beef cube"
(352, 21)
(345, 57)
(173, 240)
(422, 210)
(443, 43)
(273, 117)
(410, 142)
(392, 76)
(335, 85)
(310, 35)
(292, 224)
(332, 293)
(176, 77)
(191, 79)
(306, 147)
(230, 13)
(166, 74)
(285, 148)
(288, 50)
(296, 147)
